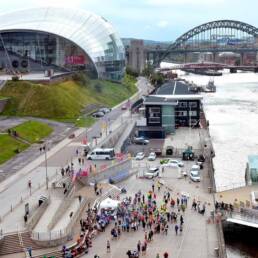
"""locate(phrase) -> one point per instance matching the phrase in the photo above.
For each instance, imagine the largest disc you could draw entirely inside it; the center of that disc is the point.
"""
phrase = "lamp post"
(45, 149)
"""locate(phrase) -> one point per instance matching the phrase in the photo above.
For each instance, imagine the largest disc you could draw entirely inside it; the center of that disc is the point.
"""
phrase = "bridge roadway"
(245, 217)
(214, 66)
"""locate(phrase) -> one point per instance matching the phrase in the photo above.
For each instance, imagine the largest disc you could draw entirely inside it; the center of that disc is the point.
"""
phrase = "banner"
(75, 60)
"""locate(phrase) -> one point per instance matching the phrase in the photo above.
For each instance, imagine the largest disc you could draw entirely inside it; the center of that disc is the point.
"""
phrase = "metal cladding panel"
(89, 31)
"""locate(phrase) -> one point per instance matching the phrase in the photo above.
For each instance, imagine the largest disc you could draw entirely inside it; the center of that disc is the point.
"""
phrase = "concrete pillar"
(241, 58)
(214, 57)
(185, 58)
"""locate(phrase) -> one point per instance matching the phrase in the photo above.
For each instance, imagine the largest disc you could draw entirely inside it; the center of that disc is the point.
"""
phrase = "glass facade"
(64, 37)
(168, 119)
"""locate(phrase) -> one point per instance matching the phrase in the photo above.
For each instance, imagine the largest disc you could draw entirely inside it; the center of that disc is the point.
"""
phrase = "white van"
(101, 154)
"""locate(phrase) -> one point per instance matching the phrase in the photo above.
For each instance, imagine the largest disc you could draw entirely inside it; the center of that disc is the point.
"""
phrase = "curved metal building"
(69, 39)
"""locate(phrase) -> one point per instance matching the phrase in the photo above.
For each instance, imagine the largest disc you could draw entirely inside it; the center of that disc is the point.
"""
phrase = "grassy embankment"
(65, 101)
(30, 131)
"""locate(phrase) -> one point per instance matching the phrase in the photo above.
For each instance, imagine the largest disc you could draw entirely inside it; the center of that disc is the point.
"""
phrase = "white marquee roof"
(89, 31)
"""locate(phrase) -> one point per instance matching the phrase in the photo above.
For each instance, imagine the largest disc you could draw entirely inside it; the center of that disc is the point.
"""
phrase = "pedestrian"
(181, 229)
(181, 220)
(153, 188)
(108, 246)
(165, 255)
(176, 228)
(79, 161)
(29, 249)
(80, 198)
(139, 246)
(77, 152)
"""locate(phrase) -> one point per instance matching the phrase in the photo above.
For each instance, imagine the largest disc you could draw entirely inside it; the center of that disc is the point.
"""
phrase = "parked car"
(98, 114)
(105, 110)
(195, 173)
(140, 156)
(152, 156)
(140, 140)
(152, 172)
(172, 163)
(124, 107)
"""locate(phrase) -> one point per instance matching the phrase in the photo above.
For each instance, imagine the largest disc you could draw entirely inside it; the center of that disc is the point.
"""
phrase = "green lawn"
(33, 131)
(8, 145)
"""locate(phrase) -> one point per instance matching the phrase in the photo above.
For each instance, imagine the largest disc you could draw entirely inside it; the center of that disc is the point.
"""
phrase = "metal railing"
(62, 233)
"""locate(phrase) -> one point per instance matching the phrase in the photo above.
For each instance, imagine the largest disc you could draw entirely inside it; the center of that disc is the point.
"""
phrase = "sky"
(161, 20)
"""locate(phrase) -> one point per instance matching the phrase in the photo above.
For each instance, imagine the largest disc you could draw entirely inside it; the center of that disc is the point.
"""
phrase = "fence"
(108, 172)
(230, 187)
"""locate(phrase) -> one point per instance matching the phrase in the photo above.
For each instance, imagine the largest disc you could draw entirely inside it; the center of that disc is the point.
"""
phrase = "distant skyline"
(161, 20)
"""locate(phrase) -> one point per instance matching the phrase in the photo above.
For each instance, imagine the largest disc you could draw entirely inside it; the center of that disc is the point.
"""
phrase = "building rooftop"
(170, 92)
(174, 88)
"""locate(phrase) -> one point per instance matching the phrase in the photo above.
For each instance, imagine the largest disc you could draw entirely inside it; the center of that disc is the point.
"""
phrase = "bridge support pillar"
(241, 58)
(185, 58)
(214, 57)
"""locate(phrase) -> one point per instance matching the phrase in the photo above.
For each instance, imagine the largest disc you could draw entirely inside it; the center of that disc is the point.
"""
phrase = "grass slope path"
(64, 100)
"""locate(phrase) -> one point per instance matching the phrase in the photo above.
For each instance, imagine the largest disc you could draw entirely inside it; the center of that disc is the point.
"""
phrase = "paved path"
(198, 239)
(16, 187)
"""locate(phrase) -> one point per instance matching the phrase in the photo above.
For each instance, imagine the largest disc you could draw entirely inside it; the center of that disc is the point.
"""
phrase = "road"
(12, 192)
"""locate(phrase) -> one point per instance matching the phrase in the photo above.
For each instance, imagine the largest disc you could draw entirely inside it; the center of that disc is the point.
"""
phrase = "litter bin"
(216, 251)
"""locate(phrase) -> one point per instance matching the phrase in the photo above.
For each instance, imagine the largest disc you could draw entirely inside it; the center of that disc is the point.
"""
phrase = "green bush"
(81, 78)
(131, 72)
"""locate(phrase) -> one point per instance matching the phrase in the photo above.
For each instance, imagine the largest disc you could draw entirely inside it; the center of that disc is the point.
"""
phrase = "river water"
(233, 117)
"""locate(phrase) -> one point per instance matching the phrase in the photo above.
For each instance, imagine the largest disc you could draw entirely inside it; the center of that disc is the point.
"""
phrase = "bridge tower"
(256, 45)
(136, 56)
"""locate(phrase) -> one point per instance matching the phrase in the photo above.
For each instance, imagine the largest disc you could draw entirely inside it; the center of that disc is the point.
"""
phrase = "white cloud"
(162, 24)
(183, 2)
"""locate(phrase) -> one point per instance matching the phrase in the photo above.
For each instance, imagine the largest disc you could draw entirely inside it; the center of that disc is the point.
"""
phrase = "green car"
(164, 161)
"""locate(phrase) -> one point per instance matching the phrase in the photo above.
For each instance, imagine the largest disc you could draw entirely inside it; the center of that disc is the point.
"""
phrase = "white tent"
(109, 204)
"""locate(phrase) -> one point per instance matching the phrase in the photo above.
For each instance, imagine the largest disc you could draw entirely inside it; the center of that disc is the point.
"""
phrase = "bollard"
(216, 251)
(11, 208)
(21, 199)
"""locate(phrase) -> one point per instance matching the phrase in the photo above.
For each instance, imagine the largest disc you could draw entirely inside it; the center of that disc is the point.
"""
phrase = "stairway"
(11, 243)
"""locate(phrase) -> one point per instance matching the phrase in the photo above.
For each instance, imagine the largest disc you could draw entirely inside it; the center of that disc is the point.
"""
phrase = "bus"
(101, 154)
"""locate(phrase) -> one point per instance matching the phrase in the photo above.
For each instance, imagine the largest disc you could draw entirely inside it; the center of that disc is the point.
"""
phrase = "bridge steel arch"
(245, 27)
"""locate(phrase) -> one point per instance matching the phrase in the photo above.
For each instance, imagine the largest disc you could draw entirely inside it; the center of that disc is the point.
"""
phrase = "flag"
(85, 141)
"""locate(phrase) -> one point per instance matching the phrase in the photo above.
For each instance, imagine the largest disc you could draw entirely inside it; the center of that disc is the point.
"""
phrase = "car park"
(152, 156)
(140, 156)
(140, 140)
(195, 173)
(152, 172)
(98, 114)
(172, 163)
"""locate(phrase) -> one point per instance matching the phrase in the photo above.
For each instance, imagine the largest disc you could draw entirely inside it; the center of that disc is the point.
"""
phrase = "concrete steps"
(11, 243)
